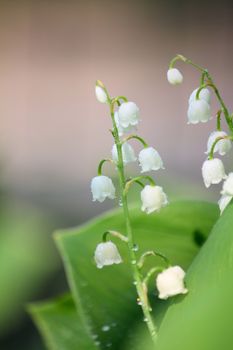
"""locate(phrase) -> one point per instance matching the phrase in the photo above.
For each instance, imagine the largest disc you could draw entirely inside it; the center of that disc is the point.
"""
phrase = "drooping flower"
(222, 146)
(198, 111)
(228, 185)
(213, 171)
(170, 282)
(223, 202)
(149, 159)
(106, 253)
(127, 153)
(128, 114)
(101, 94)
(174, 76)
(203, 95)
(102, 188)
(153, 198)
(121, 129)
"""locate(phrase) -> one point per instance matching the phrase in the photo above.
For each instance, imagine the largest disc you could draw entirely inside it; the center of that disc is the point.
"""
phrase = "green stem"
(211, 154)
(101, 163)
(133, 259)
(136, 137)
(138, 181)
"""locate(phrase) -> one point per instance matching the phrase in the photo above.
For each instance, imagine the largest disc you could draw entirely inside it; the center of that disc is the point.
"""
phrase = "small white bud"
(127, 153)
(153, 198)
(213, 171)
(101, 94)
(170, 282)
(222, 146)
(102, 188)
(106, 253)
(121, 130)
(150, 159)
(203, 95)
(228, 186)
(128, 114)
(223, 202)
(174, 76)
(198, 111)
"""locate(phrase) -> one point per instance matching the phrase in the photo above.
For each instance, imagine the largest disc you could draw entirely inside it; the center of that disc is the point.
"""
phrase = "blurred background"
(53, 132)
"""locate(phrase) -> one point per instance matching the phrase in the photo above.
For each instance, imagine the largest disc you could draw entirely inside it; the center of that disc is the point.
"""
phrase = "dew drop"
(139, 301)
(145, 319)
(105, 328)
(135, 283)
(135, 248)
(133, 262)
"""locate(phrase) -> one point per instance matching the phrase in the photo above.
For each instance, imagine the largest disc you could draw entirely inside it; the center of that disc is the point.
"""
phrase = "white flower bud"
(223, 202)
(198, 111)
(213, 171)
(128, 114)
(228, 186)
(153, 198)
(150, 159)
(127, 153)
(102, 188)
(106, 253)
(101, 94)
(203, 95)
(170, 282)
(174, 76)
(222, 146)
(121, 130)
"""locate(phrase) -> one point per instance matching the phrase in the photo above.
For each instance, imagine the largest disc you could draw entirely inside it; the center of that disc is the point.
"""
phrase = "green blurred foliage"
(27, 259)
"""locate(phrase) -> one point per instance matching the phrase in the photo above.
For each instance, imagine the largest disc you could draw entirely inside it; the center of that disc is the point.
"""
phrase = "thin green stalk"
(142, 295)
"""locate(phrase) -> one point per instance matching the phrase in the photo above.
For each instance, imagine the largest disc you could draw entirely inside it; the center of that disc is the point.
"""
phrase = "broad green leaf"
(203, 318)
(60, 325)
(106, 298)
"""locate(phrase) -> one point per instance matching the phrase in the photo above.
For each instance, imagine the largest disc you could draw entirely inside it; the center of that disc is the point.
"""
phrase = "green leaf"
(203, 318)
(60, 325)
(105, 299)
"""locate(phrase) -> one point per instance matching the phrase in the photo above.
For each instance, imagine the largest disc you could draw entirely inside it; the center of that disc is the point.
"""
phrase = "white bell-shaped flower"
(101, 94)
(203, 95)
(121, 130)
(149, 159)
(106, 253)
(223, 202)
(174, 76)
(198, 111)
(153, 198)
(127, 153)
(228, 186)
(128, 114)
(102, 188)
(170, 282)
(213, 171)
(222, 146)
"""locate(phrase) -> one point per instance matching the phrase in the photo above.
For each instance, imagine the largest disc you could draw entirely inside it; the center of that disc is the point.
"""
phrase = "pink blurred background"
(53, 131)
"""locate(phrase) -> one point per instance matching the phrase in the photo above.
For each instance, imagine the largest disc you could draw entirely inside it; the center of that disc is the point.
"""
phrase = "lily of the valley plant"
(125, 117)
(219, 141)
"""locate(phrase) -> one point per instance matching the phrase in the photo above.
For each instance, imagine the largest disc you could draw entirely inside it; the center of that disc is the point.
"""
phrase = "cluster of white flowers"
(126, 119)
(169, 282)
(213, 171)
